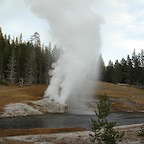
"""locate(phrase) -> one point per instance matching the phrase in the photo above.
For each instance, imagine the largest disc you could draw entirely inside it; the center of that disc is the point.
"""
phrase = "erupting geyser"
(76, 27)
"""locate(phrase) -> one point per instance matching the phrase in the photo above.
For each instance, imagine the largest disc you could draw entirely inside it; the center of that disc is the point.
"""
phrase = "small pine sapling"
(103, 131)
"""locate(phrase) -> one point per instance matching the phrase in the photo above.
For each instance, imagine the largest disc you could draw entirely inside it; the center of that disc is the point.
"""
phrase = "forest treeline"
(29, 62)
(129, 70)
(26, 62)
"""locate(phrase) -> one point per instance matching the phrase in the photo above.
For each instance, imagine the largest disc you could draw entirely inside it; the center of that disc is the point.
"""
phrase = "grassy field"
(15, 94)
(126, 97)
(121, 91)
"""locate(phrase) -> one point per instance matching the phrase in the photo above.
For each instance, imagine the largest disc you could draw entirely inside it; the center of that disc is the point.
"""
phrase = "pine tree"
(36, 42)
(7, 53)
(124, 70)
(109, 72)
(2, 47)
(103, 131)
(12, 67)
(129, 70)
(136, 66)
(141, 76)
(30, 66)
(48, 62)
(117, 73)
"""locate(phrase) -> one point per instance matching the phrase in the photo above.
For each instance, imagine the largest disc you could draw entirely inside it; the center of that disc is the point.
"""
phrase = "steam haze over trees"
(29, 62)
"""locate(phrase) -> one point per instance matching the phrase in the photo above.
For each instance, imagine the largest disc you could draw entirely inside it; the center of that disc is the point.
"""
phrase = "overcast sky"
(122, 31)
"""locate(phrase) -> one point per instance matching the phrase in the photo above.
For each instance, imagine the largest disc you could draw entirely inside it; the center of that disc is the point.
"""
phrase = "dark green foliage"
(141, 132)
(130, 70)
(117, 73)
(103, 131)
(11, 71)
(3, 82)
(26, 62)
(109, 71)
(32, 59)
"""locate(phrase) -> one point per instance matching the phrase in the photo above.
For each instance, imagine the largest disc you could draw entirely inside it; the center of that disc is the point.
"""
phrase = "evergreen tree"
(7, 53)
(136, 66)
(103, 131)
(35, 40)
(32, 61)
(109, 72)
(129, 70)
(2, 45)
(48, 62)
(142, 58)
(117, 73)
(20, 40)
(124, 70)
(11, 67)
(141, 67)
(30, 66)
(32, 56)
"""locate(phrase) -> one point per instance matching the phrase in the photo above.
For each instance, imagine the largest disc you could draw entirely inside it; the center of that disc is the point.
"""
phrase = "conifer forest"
(29, 62)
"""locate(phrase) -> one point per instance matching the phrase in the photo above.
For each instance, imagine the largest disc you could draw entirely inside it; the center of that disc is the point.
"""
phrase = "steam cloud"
(76, 27)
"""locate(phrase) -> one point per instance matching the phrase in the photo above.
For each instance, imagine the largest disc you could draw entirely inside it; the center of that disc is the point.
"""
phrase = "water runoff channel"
(67, 120)
(75, 118)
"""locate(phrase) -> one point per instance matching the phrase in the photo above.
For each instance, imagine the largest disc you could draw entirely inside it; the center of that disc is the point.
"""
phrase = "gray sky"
(122, 31)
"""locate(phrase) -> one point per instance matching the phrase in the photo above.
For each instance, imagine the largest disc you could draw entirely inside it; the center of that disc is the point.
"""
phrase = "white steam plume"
(75, 27)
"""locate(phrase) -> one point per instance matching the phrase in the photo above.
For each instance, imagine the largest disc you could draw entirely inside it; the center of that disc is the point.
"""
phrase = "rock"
(19, 109)
(48, 106)
(39, 107)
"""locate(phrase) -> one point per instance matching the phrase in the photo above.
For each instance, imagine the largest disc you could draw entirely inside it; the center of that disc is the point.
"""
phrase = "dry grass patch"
(18, 132)
(6, 141)
(14, 94)
(121, 91)
(127, 98)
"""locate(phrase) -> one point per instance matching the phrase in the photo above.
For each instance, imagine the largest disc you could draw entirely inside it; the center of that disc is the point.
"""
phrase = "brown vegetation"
(18, 132)
(121, 91)
(6, 141)
(124, 97)
(14, 94)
